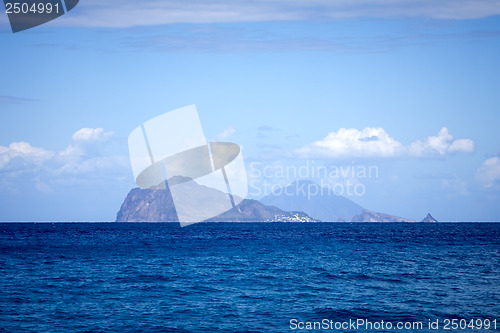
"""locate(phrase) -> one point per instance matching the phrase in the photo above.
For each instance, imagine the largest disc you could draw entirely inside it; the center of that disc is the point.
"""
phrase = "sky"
(405, 89)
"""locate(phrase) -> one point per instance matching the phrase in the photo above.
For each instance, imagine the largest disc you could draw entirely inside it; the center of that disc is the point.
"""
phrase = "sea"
(250, 277)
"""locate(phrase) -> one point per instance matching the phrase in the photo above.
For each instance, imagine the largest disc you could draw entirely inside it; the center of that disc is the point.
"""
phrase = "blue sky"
(408, 87)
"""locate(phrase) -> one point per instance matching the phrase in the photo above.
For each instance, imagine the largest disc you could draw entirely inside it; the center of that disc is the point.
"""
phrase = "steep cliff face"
(143, 205)
(157, 205)
(369, 216)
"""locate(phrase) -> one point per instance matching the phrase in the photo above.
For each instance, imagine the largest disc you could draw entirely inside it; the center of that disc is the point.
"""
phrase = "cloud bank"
(127, 13)
(376, 142)
(441, 145)
(78, 161)
(22, 154)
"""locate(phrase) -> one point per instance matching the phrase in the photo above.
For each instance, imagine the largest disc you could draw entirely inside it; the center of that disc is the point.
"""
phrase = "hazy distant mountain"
(156, 205)
(429, 218)
(295, 204)
(369, 216)
(253, 211)
(308, 197)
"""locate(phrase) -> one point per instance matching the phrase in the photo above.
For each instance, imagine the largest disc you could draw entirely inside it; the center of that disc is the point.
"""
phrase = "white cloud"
(91, 135)
(441, 144)
(24, 154)
(462, 146)
(376, 142)
(24, 148)
(128, 13)
(350, 142)
(489, 172)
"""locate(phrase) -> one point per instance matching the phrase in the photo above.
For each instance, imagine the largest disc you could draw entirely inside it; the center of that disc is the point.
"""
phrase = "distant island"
(429, 218)
(290, 205)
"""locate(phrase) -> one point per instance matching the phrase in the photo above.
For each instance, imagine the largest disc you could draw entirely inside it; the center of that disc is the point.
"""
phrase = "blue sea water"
(246, 277)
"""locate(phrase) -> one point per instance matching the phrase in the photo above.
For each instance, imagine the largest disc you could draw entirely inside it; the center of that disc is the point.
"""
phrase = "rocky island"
(156, 205)
(429, 219)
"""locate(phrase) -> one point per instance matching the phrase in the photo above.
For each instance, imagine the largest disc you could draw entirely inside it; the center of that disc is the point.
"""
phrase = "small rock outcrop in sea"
(369, 216)
(429, 218)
